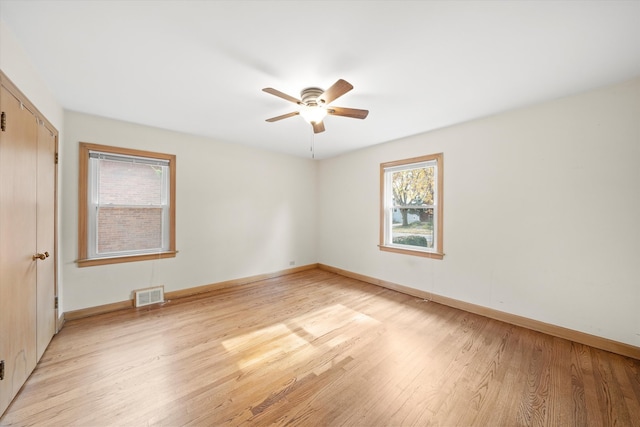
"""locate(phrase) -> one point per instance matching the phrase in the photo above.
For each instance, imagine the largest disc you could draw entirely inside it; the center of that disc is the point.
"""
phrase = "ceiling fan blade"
(317, 127)
(338, 89)
(284, 116)
(354, 113)
(279, 94)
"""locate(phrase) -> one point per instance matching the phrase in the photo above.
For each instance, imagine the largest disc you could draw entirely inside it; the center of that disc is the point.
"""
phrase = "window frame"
(437, 252)
(84, 259)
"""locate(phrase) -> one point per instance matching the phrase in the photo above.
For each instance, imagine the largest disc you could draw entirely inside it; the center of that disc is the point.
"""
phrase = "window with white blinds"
(128, 205)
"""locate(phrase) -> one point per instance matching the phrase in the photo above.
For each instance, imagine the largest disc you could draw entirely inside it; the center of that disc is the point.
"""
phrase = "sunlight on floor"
(263, 344)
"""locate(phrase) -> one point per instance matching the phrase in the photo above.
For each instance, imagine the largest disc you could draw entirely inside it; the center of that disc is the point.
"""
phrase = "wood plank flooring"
(316, 348)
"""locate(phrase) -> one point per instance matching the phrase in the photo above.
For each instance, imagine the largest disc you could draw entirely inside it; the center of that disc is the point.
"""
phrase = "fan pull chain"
(313, 140)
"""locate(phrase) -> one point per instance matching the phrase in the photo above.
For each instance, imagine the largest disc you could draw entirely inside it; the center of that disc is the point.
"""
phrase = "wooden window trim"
(83, 182)
(439, 253)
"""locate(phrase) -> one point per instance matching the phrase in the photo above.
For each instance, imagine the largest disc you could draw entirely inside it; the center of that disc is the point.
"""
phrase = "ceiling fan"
(314, 105)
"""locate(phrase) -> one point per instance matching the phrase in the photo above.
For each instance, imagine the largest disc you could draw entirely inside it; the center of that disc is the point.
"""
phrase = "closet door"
(18, 162)
(45, 275)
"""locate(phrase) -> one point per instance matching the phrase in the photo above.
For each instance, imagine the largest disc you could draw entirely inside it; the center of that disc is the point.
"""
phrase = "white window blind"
(128, 205)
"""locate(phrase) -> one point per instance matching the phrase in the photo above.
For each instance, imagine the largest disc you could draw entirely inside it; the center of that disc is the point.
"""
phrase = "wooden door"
(18, 162)
(46, 207)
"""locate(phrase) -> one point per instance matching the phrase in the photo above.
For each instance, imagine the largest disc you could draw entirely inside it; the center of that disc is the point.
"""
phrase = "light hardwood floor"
(316, 348)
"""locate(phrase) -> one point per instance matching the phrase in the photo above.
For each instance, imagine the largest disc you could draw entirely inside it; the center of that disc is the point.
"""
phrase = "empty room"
(319, 213)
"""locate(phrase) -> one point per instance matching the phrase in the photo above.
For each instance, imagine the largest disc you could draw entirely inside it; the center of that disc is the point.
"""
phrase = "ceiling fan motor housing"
(310, 96)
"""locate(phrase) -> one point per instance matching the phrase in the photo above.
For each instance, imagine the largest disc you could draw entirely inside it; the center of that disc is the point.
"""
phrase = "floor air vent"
(148, 296)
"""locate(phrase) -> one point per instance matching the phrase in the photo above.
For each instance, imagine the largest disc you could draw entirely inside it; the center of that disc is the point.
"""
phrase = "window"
(126, 205)
(411, 206)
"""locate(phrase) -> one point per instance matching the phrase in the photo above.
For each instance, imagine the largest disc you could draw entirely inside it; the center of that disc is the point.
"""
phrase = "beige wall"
(17, 66)
(240, 212)
(541, 213)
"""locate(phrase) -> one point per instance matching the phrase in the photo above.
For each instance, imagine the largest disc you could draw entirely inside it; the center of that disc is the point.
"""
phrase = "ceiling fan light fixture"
(315, 104)
(313, 113)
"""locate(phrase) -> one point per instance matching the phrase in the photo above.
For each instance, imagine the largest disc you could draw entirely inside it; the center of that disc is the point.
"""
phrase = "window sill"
(432, 255)
(89, 262)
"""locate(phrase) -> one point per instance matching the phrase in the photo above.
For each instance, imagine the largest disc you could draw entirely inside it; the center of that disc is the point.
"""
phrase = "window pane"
(412, 192)
(129, 229)
(413, 227)
(127, 183)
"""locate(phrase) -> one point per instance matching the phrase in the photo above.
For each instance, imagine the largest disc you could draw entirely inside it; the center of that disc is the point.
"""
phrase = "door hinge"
(55, 302)
(56, 158)
(3, 121)
(1, 370)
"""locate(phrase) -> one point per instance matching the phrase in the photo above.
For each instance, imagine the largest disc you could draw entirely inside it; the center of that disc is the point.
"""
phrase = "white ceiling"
(199, 66)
